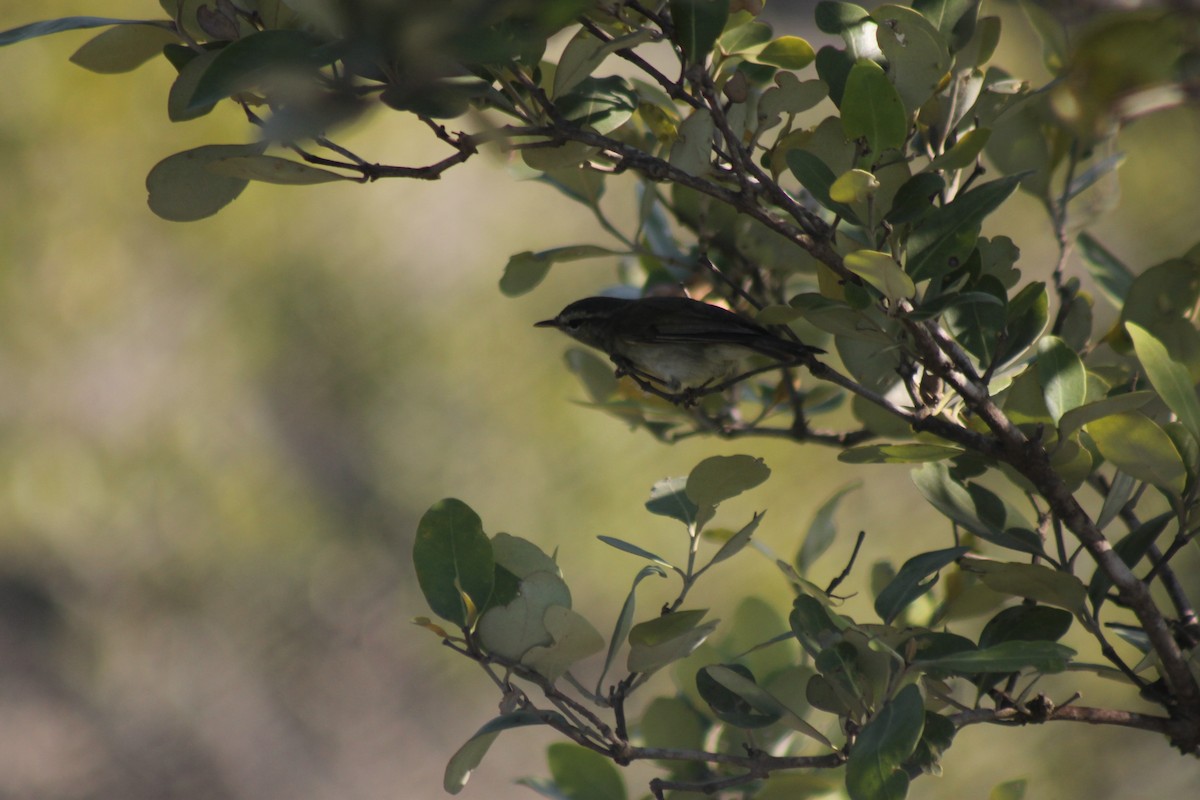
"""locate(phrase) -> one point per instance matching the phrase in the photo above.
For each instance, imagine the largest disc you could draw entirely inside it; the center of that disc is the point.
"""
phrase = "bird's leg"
(646, 381)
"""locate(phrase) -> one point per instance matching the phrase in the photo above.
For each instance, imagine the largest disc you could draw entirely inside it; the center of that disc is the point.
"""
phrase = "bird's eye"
(571, 324)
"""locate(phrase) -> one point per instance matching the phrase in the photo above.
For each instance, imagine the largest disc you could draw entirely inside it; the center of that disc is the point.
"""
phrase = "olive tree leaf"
(183, 189)
(872, 108)
(1139, 447)
(1171, 378)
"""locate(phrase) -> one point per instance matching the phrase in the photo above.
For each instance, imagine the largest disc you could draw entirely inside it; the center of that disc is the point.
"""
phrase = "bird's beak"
(546, 323)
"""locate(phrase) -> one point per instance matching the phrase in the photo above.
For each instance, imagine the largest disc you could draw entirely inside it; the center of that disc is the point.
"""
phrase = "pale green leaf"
(1140, 448)
(123, 48)
(882, 272)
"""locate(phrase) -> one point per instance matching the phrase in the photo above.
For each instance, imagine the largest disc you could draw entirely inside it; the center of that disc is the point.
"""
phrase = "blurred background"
(216, 440)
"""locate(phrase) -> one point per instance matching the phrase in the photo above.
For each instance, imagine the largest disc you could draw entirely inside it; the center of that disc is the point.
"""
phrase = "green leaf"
(818, 179)
(625, 621)
(49, 26)
(944, 14)
(603, 104)
(821, 531)
(183, 189)
(1035, 581)
(1110, 274)
(1139, 447)
(1062, 376)
(882, 272)
(719, 478)
(583, 774)
(734, 544)
(241, 65)
(272, 169)
(874, 770)
(964, 152)
(835, 17)
(1005, 657)
(1077, 417)
(123, 48)
(180, 95)
(1028, 315)
(1169, 377)
(897, 453)
(467, 758)
(918, 54)
(584, 53)
(914, 199)
(668, 498)
(788, 52)
(872, 109)
(453, 558)
(633, 549)
(833, 68)
(593, 372)
(1164, 291)
(697, 24)
(524, 271)
(948, 234)
(736, 702)
(974, 507)
(573, 639)
(692, 149)
(1026, 623)
(657, 642)
(910, 582)
(1131, 548)
(513, 629)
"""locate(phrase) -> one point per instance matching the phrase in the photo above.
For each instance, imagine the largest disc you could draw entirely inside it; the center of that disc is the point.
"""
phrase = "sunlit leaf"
(625, 621)
(1062, 376)
(1035, 581)
(1139, 447)
(882, 272)
(788, 52)
(1169, 377)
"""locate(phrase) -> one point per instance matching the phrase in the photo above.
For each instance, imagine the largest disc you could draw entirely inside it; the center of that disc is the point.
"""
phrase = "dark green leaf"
(1131, 548)
(816, 177)
(835, 17)
(625, 546)
(915, 197)
(583, 774)
(1006, 657)
(974, 507)
(730, 706)
(1026, 623)
(833, 67)
(910, 582)
(948, 234)
(604, 104)
(872, 109)
(734, 544)
(662, 640)
(874, 770)
(453, 558)
(697, 24)
(242, 64)
(944, 14)
(812, 623)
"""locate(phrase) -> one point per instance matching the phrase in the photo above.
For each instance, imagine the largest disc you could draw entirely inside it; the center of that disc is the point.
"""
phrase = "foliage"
(861, 232)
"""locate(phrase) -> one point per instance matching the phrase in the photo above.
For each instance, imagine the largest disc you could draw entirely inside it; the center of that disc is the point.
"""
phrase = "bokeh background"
(216, 440)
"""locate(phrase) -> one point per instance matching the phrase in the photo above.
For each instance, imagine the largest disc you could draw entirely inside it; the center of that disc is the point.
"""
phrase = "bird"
(686, 346)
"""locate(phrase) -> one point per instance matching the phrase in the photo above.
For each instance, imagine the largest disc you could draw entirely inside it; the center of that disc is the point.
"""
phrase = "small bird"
(685, 345)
